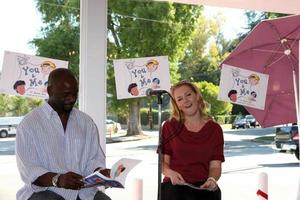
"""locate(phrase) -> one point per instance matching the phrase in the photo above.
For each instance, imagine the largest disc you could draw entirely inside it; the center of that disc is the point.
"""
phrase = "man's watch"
(55, 180)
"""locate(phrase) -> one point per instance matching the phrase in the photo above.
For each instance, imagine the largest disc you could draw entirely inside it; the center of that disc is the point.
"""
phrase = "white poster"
(244, 87)
(134, 76)
(27, 75)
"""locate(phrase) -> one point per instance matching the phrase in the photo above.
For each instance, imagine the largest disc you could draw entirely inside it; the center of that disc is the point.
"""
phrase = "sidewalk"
(10, 181)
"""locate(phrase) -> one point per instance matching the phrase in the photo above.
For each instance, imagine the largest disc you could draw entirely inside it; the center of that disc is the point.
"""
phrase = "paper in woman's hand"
(199, 188)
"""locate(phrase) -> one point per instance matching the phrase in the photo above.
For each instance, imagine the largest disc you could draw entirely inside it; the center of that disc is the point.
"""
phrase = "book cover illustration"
(118, 174)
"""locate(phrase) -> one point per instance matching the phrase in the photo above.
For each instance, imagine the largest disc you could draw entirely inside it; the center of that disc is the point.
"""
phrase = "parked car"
(251, 120)
(112, 126)
(240, 123)
(8, 125)
(287, 139)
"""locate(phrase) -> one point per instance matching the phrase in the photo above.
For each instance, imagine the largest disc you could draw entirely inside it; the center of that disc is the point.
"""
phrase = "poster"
(244, 87)
(27, 75)
(134, 76)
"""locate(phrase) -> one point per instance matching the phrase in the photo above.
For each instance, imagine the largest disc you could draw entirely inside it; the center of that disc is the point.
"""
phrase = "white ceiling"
(279, 6)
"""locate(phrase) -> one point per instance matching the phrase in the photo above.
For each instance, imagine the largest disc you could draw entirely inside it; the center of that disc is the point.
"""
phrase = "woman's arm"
(215, 170)
(175, 177)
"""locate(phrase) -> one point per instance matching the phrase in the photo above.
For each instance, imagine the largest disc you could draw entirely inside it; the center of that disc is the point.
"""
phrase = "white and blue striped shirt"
(43, 146)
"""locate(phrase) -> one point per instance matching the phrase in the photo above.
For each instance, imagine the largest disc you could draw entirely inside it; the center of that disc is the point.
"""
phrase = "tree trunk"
(134, 122)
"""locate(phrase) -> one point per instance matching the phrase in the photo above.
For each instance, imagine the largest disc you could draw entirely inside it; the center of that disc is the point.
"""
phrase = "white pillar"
(137, 189)
(262, 190)
(92, 69)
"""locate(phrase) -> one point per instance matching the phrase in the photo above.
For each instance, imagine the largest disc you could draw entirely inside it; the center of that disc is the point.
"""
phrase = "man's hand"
(70, 180)
(105, 172)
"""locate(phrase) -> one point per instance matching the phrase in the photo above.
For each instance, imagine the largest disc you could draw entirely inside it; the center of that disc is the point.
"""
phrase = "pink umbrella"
(272, 48)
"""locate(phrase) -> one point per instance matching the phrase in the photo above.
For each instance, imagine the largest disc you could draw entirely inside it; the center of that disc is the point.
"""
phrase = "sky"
(21, 22)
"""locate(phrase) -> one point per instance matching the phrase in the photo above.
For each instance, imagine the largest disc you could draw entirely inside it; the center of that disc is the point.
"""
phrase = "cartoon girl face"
(253, 79)
(47, 67)
(152, 65)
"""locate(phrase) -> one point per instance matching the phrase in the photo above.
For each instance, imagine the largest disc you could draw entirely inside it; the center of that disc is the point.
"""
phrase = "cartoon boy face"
(20, 89)
(233, 97)
(134, 91)
(155, 83)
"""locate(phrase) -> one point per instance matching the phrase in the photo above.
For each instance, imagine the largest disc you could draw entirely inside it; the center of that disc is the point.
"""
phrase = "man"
(57, 145)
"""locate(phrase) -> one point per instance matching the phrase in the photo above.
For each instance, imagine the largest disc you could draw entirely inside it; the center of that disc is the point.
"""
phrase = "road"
(244, 160)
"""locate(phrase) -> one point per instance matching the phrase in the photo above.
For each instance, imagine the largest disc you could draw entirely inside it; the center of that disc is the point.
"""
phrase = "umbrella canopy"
(272, 48)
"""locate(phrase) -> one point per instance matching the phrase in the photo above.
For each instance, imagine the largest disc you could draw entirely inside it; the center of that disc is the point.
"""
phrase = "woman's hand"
(210, 184)
(175, 177)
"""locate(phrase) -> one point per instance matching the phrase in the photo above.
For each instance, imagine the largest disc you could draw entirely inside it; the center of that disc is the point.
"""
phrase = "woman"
(191, 147)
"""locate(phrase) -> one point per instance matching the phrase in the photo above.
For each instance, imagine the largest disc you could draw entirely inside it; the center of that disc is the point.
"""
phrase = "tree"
(207, 49)
(142, 29)
(16, 105)
(60, 35)
(135, 29)
(210, 93)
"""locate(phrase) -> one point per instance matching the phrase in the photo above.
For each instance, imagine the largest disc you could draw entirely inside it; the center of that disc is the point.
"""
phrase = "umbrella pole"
(297, 107)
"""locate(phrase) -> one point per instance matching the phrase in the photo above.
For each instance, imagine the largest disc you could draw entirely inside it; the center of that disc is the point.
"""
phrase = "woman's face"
(186, 100)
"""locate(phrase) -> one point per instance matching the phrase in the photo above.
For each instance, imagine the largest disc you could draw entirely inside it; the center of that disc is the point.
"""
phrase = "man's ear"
(49, 89)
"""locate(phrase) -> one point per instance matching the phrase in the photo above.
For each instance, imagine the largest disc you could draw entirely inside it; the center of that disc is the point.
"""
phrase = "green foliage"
(210, 92)
(60, 35)
(143, 29)
(16, 105)
(206, 50)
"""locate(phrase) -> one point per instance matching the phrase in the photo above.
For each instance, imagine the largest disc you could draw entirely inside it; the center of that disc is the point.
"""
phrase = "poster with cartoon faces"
(244, 87)
(27, 75)
(134, 76)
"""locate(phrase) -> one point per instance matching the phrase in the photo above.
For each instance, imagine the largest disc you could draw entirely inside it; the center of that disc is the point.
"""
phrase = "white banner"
(244, 87)
(26, 75)
(134, 76)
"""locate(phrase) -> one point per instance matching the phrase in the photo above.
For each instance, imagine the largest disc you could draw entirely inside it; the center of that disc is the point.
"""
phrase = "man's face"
(64, 95)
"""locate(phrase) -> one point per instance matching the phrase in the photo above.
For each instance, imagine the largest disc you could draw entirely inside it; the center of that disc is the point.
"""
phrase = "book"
(198, 187)
(118, 174)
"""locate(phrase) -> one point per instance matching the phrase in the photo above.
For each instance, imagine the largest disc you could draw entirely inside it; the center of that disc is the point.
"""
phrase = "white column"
(92, 69)
(262, 190)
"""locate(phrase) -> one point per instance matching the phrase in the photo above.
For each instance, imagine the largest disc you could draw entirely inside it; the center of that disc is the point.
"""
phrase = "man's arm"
(68, 180)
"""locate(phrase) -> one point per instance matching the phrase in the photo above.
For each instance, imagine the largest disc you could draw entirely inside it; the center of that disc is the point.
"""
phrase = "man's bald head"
(59, 75)
(62, 89)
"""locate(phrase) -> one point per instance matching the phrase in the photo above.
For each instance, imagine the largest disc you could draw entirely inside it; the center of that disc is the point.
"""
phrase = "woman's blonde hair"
(176, 113)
